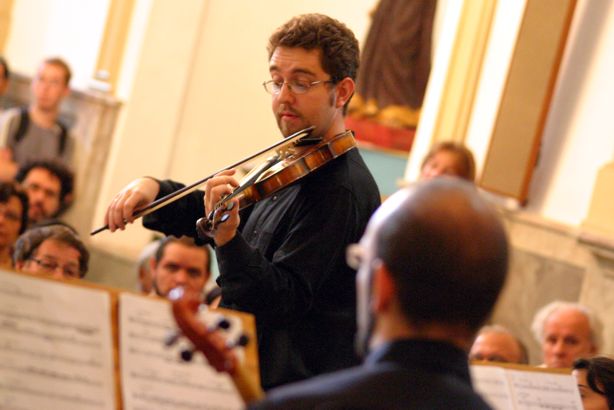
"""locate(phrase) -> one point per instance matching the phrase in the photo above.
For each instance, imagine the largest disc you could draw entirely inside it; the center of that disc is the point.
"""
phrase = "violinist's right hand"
(136, 194)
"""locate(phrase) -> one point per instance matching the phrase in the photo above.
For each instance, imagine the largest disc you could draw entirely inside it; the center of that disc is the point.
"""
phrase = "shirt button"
(274, 198)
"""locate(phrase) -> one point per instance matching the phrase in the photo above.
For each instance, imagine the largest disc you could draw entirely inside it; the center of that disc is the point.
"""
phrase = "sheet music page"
(55, 345)
(153, 375)
(541, 390)
(492, 384)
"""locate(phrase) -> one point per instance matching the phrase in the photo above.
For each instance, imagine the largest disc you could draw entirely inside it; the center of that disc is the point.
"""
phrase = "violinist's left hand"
(228, 217)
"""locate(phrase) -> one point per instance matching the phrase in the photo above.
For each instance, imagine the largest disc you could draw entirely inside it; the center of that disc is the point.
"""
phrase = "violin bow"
(294, 139)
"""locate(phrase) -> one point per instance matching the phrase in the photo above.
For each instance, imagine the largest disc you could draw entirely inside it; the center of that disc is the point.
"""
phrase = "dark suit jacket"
(408, 374)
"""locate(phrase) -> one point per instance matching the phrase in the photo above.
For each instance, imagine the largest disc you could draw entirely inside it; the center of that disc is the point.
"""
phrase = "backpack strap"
(24, 123)
(63, 137)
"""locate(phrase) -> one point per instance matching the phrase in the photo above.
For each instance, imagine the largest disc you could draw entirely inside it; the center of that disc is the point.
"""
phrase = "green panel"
(387, 169)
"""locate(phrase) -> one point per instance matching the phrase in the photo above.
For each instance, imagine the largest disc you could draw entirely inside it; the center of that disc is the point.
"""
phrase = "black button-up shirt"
(287, 266)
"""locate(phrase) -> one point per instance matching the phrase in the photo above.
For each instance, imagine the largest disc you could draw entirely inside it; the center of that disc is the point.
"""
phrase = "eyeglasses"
(51, 266)
(295, 86)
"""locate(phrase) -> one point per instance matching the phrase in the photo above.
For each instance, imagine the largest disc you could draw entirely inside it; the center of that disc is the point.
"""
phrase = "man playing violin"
(283, 259)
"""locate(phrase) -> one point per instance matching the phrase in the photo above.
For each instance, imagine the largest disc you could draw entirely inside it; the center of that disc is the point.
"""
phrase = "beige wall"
(71, 29)
(577, 139)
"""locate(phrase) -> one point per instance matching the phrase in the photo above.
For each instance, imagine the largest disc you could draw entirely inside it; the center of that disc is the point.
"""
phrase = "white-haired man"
(566, 331)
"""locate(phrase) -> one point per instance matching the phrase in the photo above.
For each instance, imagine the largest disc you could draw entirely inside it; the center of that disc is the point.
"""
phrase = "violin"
(276, 174)
(285, 167)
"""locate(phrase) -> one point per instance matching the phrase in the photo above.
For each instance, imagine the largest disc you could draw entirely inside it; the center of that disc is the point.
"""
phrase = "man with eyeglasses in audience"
(282, 259)
(53, 250)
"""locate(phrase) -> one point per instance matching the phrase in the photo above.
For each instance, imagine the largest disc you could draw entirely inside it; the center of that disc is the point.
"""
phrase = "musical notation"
(153, 375)
(513, 389)
(55, 345)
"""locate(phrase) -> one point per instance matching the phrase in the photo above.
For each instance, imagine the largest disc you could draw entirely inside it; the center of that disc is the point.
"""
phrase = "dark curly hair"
(61, 171)
(11, 189)
(339, 47)
(599, 375)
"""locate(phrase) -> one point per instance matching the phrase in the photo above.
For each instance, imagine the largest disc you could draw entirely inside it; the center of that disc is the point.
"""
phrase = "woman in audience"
(596, 382)
(13, 219)
(448, 158)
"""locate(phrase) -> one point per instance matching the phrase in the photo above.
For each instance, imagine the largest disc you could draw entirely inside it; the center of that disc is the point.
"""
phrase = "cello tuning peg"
(186, 354)
(223, 323)
(171, 337)
(241, 341)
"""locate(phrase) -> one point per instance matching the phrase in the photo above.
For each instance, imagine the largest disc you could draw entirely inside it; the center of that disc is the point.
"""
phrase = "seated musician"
(180, 262)
(495, 343)
(430, 268)
(596, 382)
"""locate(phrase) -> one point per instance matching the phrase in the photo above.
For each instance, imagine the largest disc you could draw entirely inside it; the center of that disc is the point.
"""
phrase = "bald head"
(446, 250)
(497, 344)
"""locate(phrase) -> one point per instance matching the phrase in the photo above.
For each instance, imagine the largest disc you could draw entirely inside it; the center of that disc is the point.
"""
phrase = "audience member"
(431, 265)
(5, 74)
(596, 382)
(497, 344)
(180, 262)
(143, 267)
(448, 158)
(13, 219)
(34, 132)
(566, 331)
(49, 185)
(54, 250)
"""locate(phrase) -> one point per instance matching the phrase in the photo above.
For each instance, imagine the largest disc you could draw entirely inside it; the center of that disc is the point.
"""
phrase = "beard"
(37, 213)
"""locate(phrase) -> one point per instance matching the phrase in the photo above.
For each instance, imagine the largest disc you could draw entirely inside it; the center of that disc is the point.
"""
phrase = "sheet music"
(55, 346)
(153, 376)
(538, 390)
(492, 384)
(511, 389)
